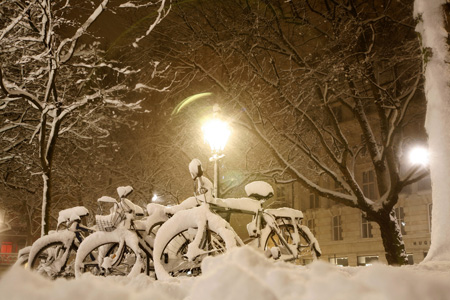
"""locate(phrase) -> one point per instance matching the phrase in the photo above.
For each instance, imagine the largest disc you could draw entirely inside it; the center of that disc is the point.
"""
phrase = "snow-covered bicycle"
(190, 235)
(128, 249)
(52, 255)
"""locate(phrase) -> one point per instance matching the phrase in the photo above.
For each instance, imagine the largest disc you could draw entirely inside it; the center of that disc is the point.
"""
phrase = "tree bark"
(392, 238)
(434, 38)
(46, 200)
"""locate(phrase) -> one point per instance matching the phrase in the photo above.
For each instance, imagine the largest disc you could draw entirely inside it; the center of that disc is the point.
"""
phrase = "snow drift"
(243, 273)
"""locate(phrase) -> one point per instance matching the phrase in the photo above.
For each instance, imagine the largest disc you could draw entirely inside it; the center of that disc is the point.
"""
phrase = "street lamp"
(216, 133)
(419, 156)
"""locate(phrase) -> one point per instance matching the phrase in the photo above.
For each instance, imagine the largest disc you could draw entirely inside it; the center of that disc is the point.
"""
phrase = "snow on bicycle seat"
(136, 209)
(260, 190)
(72, 214)
(186, 204)
(245, 204)
(285, 212)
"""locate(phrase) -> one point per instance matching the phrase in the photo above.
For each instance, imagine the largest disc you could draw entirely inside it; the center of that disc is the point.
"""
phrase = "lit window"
(337, 228)
(400, 219)
(367, 260)
(339, 261)
(6, 247)
(366, 228)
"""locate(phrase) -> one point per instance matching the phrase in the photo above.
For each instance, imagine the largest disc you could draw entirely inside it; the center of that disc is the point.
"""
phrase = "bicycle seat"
(136, 209)
(285, 212)
(72, 214)
(260, 190)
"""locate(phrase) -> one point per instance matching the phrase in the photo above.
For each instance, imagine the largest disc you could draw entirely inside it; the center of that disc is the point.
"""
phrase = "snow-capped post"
(433, 35)
(216, 133)
(55, 75)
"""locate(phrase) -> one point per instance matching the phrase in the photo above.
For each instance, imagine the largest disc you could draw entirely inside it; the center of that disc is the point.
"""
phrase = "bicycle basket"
(108, 222)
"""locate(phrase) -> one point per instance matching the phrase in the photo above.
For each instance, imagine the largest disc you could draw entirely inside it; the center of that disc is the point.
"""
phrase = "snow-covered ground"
(243, 273)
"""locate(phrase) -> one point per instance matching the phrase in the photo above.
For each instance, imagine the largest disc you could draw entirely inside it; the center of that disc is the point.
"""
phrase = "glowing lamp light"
(216, 134)
(419, 156)
(155, 197)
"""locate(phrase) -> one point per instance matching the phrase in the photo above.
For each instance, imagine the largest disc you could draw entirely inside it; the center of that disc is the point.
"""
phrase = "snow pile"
(243, 273)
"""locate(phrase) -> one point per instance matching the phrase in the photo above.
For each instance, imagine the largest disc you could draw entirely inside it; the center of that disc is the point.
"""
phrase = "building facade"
(347, 238)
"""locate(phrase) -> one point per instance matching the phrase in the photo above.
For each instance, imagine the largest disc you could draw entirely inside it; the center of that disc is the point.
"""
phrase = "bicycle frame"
(263, 220)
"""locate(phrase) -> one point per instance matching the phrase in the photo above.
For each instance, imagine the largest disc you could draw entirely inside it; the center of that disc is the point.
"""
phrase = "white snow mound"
(244, 273)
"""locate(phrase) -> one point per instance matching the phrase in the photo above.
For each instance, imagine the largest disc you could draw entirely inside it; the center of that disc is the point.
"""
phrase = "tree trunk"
(46, 199)
(436, 55)
(392, 238)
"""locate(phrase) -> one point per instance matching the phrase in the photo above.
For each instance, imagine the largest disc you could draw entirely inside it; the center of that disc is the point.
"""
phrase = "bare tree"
(325, 85)
(56, 81)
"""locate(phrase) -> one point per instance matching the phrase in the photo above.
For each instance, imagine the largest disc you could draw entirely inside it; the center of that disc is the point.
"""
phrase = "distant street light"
(419, 156)
(216, 133)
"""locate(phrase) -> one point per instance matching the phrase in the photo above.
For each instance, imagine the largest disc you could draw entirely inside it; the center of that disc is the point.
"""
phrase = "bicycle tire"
(174, 237)
(108, 254)
(51, 255)
(306, 249)
(51, 260)
(22, 257)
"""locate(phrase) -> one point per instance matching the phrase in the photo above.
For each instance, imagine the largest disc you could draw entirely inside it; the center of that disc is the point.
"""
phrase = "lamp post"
(216, 133)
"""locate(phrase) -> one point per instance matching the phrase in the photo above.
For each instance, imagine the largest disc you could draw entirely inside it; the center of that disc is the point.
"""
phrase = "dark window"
(281, 199)
(337, 228)
(369, 184)
(366, 228)
(314, 201)
(337, 111)
(311, 224)
(400, 219)
(338, 188)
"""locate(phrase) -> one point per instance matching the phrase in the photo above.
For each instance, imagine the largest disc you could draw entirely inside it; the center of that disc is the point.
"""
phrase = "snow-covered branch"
(80, 31)
(12, 90)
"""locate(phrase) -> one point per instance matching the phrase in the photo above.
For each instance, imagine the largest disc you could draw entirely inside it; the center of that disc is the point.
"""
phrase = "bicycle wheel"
(174, 257)
(105, 254)
(22, 257)
(180, 245)
(308, 242)
(53, 260)
(287, 250)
